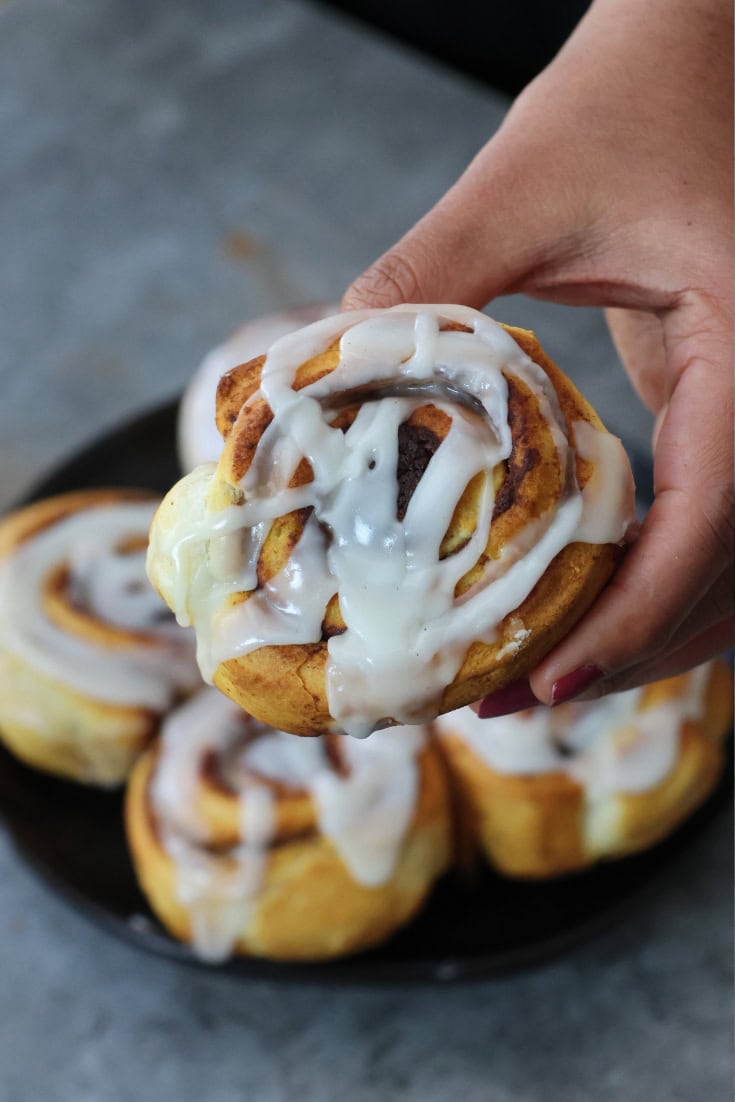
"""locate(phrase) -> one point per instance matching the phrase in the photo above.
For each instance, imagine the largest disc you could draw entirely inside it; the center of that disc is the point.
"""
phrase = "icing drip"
(406, 635)
(606, 506)
(367, 813)
(364, 810)
(108, 583)
(608, 745)
(217, 889)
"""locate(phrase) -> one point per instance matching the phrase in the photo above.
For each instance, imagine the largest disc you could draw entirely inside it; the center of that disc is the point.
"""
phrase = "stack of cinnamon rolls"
(411, 507)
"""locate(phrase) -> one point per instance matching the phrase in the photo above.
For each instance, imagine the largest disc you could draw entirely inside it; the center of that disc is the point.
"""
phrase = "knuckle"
(392, 279)
(642, 632)
(710, 515)
(719, 603)
(717, 516)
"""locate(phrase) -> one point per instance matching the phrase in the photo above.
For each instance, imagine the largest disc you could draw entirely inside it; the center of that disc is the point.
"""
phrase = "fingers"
(657, 589)
(445, 257)
(675, 578)
(701, 648)
(707, 633)
(490, 229)
(499, 230)
(639, 340)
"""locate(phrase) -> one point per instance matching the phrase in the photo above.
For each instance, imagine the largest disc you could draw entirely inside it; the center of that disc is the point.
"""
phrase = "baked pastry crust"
(286, 685)
(308, 905)
(44, 720)
(545, 824)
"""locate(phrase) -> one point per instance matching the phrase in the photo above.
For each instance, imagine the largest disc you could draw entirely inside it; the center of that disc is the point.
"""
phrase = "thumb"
(487, 233)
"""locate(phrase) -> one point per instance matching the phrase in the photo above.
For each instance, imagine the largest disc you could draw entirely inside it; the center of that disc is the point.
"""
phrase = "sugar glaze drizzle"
(364, 811)
(406, 633)
(109, 584)
(609, 745)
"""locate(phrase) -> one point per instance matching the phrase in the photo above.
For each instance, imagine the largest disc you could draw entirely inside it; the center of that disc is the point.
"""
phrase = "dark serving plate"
(73, 836)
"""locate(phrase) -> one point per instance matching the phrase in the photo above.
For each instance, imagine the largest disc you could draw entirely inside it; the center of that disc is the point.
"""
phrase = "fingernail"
(574, 683)
(513, 698)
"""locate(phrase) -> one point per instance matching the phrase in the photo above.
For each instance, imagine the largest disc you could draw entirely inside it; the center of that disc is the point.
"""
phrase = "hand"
(609, 184)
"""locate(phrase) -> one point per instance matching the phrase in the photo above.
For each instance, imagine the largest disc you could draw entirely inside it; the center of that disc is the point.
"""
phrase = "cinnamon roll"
(551, 791)
(248, 840)
(90, 658)
(411, 508)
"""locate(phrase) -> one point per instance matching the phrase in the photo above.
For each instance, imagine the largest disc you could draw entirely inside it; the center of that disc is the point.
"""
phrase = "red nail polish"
(513, 698)
(574, 683)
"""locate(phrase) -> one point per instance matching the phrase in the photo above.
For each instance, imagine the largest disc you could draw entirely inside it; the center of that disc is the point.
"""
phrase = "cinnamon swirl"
(90, 658)
(252, 841)
(551, 791)
(411, 508)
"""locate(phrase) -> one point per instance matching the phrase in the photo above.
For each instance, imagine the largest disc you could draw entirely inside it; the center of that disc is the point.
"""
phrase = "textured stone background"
(168, 170)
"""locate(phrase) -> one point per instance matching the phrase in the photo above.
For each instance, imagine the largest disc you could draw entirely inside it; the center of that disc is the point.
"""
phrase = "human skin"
(610, 184)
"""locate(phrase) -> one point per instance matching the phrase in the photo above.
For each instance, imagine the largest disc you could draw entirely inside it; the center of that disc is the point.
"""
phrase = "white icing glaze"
(365, 813)
(109, 585)
(609, 501)
(406, 633)
(643, 744)
(608, 746)
(198, 438)
(217, 889)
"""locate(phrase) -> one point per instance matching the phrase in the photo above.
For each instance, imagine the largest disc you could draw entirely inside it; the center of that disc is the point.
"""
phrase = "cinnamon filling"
(416, 445)
(523, 458)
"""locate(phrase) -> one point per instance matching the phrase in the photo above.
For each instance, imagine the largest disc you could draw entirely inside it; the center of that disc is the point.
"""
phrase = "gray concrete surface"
(168, 170)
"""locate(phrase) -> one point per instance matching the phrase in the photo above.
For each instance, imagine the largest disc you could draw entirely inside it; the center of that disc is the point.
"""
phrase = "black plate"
(73, 836)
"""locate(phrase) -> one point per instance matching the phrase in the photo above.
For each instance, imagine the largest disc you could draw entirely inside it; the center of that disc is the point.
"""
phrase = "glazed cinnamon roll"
(90, 658)
(411, 508)
(248, 840)
(551, 791)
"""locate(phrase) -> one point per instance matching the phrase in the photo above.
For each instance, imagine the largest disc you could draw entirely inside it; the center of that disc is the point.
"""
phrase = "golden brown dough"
(70, 669)
(293, 895)
(570, 812)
